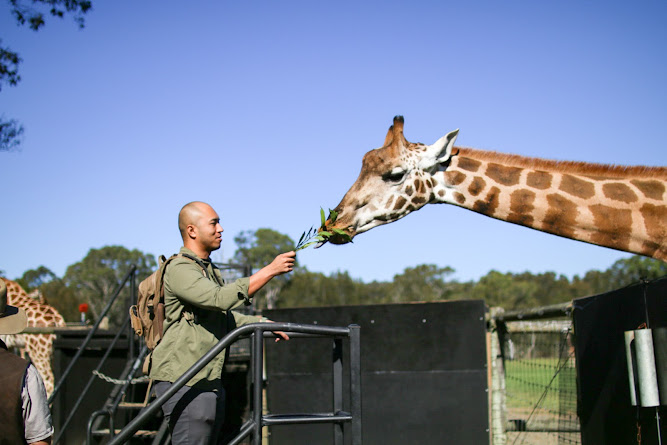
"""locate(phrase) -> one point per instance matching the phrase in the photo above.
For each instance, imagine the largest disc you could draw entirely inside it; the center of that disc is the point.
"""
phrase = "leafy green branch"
(322, 235)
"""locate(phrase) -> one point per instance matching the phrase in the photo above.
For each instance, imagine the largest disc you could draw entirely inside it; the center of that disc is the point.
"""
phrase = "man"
(24, 411)
(198, 314)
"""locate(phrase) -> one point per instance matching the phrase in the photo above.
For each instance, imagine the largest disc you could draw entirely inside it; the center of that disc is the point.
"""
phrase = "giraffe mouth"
(336, 237)
(339, 239)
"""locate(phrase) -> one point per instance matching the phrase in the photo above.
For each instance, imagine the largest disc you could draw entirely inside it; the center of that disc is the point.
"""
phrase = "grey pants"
(195, 416)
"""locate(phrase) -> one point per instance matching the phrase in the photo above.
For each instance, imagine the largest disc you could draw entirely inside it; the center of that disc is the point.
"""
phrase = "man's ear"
(191, 230)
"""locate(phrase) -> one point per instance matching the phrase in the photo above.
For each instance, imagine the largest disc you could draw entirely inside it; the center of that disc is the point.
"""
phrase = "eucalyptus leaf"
(306, 245)
(322, 217)
(333, 215)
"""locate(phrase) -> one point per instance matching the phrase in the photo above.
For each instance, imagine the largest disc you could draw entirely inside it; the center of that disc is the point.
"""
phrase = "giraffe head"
(396, 179)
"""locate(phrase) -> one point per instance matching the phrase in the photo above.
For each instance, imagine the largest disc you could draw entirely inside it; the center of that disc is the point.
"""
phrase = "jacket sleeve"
(188, 283)
(243, 319)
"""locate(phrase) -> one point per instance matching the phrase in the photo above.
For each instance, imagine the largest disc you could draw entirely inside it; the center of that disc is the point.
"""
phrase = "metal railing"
(91, 380)
(253, 426)
(117, 395)
(131, 274)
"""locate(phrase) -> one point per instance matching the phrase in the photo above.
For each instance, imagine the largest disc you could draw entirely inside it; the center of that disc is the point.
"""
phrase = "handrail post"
(338, 388)
(355, 382)
(258, 376)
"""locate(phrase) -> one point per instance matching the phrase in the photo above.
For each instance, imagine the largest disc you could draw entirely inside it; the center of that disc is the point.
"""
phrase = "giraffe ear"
(440, 151)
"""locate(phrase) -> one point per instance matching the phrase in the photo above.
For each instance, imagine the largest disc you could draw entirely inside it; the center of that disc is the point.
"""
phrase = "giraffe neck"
(622, 208)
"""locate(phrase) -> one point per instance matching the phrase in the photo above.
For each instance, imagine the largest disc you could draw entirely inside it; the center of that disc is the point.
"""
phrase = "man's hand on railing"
(280, 334)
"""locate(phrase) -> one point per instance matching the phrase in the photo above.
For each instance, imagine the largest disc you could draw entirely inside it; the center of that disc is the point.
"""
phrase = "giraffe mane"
(578, 167)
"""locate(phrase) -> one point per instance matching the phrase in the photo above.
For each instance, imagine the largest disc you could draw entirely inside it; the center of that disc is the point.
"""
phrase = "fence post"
(355, 383)
(258, 377)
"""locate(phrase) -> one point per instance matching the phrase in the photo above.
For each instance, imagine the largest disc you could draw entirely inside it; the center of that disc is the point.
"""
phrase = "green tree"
(425, 282)
(53, 290)
(31, 14)
(631, 270)
(308, 289)
(623, 272)
(34, 278)
(504, 290)
(257, 249)
(95, 278)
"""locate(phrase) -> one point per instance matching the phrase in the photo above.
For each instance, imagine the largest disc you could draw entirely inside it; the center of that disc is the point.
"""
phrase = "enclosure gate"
(535, 392)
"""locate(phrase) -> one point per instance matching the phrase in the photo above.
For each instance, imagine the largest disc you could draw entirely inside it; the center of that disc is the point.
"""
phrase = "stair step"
(140, 433)
(131, 405)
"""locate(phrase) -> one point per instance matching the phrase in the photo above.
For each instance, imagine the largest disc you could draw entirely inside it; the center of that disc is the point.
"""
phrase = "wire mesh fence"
(538, 402)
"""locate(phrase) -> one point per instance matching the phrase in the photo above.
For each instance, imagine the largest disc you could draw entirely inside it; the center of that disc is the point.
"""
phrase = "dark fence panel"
(423, 369)
(606, 415)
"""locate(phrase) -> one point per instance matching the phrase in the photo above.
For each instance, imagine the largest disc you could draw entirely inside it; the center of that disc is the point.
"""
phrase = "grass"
(531, 382)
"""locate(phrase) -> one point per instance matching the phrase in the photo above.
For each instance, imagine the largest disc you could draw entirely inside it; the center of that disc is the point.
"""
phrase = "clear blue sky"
(264, 109)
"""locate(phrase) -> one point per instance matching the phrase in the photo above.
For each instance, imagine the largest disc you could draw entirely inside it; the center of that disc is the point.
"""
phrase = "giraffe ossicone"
(621, 207)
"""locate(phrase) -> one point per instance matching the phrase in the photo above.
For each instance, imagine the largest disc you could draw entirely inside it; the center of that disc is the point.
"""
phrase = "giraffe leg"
(39, 349)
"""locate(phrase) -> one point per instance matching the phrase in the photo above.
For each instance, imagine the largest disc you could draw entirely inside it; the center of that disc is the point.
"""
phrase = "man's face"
(209, 230)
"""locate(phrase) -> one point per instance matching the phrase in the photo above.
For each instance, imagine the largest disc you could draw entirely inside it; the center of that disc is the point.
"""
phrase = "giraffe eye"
(396, 175)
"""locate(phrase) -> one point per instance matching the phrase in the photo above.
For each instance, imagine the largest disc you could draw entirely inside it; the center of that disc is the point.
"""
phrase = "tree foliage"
(53, 290)
(428, 282)
(257, 249)
(32, 14)
(95, 278)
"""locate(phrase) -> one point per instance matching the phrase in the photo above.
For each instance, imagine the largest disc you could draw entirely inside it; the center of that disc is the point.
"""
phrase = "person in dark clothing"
(24, 412)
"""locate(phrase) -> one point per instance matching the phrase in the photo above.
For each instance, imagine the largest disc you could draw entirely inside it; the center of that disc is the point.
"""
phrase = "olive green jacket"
(195, 320)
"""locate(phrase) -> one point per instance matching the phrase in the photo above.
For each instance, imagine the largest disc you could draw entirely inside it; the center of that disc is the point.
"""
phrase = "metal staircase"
(132, 414)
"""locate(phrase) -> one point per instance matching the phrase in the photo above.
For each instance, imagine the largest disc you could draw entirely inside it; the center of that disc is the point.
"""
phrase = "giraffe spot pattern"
(418, 200)
(539, 180)
(459, 197)
(389, 202)
(614, 226)
(619, 192)
(477, 186)
(521, 207)
(503, 175)
(577, 187)
(454, 177)
(650, 248)
(560, 216)
(489, 204)
(400, 203)
(419, 186)
(469, 164)
(654, 220)
(650, 188)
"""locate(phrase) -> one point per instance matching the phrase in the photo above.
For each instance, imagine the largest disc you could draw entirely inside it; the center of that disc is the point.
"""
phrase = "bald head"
(190, 214)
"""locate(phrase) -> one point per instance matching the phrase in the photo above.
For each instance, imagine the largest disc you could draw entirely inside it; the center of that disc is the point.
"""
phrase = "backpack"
(147, 316)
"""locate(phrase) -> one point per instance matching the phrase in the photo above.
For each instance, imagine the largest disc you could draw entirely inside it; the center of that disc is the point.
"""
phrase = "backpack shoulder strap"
(199, 262)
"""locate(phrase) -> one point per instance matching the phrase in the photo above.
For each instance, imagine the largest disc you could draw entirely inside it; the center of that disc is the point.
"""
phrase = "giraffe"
(624, 208)
(38, 346)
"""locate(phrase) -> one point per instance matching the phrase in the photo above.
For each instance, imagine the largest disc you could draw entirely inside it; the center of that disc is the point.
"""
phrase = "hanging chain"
(134, 381)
